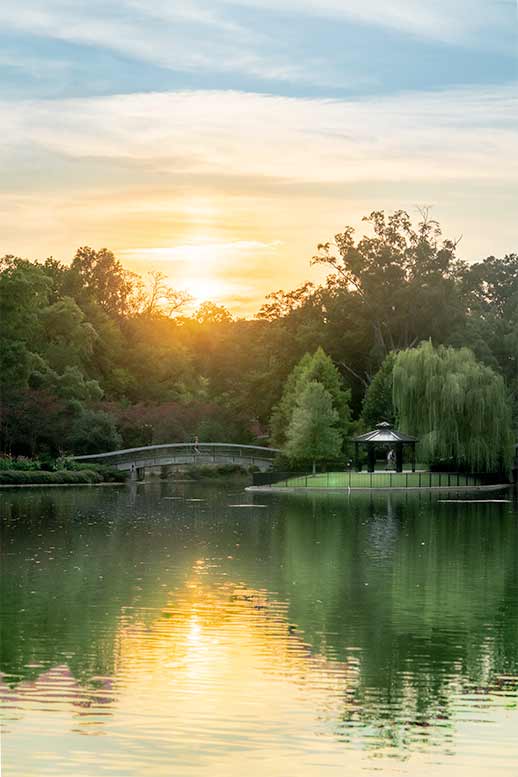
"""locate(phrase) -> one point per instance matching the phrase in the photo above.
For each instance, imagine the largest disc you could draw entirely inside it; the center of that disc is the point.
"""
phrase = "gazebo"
(383, 435)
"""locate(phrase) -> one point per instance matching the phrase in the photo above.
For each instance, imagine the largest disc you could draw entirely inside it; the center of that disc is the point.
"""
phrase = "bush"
(91, 475)
(41, 477)
(224, 470)
(94, 431)
(109, 474)
(19, 463)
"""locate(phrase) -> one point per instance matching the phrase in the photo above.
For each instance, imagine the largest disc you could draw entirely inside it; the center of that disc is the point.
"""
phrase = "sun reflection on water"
(196, 666)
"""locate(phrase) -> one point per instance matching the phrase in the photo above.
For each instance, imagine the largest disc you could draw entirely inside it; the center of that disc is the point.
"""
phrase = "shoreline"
(381, 489)
(151, 482)
(59, 485)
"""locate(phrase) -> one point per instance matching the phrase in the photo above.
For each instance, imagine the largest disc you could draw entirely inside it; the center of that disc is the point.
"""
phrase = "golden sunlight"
(206, 289)
(209, 269)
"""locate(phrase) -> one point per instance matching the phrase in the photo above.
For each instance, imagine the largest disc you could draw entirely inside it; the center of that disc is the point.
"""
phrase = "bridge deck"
(175, 454)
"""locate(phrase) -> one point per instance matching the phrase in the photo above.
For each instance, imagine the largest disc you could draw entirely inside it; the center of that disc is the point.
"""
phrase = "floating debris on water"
(475, 501)
(247, 505)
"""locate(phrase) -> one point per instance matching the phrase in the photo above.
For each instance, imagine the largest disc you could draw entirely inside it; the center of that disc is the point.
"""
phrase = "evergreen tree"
(318, 368)
(312, 434)
(283, 411)
(378, 404)
(456, 406)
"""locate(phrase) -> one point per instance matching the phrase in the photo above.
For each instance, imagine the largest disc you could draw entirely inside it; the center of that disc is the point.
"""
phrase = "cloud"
(458, 134)
(191, 182)
(225, 36)
(185, 36)
(443, 20)
(203, 248)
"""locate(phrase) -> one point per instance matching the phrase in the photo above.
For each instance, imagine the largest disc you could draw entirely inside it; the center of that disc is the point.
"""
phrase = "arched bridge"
(137, 460)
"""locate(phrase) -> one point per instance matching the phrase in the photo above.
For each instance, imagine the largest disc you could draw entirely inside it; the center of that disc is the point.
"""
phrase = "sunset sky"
(220, 141)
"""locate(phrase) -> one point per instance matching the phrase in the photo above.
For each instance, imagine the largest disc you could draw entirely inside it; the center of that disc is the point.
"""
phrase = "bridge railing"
(183, 453)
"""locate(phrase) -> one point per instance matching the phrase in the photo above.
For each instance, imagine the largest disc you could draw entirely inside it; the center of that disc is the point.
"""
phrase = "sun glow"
(207, 289)
(206, 268)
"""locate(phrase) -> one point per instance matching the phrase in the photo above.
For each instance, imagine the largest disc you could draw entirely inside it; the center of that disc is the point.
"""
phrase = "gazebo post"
(413, 457)
(371, 456)
(399, 457)
(357, 465)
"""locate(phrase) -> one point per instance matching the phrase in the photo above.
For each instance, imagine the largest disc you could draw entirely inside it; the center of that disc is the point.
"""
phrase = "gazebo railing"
(373, 480)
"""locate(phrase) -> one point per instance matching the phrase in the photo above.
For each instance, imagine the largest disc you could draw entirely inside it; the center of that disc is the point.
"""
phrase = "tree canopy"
(457, 407)
(378, 404)
(312, 434)
(312, 367)
(90, 336)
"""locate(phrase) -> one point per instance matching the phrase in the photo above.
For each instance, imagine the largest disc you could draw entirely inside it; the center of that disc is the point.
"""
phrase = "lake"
(166, 630)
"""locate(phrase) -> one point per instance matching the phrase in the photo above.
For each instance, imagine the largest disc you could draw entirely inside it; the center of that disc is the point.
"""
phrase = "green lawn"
(376, 480)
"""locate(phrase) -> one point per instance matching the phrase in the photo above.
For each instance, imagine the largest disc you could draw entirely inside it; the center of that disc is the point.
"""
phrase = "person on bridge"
(196, 444)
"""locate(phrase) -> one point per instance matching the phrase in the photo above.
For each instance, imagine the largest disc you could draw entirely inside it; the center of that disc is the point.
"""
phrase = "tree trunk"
(314, 467)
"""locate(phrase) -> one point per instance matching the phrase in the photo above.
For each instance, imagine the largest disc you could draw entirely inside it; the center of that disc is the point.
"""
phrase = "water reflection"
(323, 631)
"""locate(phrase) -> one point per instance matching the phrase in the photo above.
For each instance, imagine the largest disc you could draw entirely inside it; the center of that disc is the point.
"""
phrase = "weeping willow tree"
(458, 408)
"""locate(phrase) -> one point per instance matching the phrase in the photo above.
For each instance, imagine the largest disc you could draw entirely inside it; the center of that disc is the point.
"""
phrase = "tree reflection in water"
(391, 615)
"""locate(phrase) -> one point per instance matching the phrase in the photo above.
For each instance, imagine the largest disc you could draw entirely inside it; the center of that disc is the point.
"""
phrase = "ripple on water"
(308, 636)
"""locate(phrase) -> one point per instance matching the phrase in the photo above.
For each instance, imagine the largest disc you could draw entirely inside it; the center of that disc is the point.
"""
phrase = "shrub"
(109, 474)
(204, 471)
(92, 475)
(19, 463)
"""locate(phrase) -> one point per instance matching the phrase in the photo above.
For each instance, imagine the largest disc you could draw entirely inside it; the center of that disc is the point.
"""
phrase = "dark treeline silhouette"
(94, 357)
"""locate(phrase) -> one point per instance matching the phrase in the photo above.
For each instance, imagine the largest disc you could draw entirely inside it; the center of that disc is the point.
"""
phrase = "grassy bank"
(376, 480)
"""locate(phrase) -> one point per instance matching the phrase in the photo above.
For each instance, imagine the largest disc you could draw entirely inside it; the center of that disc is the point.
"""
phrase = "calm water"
(164, 631)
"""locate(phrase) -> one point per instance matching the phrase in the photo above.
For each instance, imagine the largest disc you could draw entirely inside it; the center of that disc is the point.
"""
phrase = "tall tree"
(457, 407)
(158, 298)
(317, 367)
(378, 404)
(491, 290)
(99, 276)
(405, 279)
(313, 434)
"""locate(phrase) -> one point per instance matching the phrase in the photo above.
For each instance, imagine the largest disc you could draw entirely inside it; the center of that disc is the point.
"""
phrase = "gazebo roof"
(384, 433)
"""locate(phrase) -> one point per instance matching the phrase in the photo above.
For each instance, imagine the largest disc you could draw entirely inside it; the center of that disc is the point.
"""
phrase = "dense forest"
(94, 357)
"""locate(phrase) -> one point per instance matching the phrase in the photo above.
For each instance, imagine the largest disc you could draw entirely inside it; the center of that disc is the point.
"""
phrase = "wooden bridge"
(138, 460)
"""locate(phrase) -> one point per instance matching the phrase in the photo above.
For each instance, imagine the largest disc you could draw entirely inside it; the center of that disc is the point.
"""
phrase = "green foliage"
(94, 432)
(223, 471)
(491, 290)
(313, 434)
(283, 411)
(23, 471)
(67, 336)
(99, 276)
(458, 408)
(91, 336)
(108, 474)
(378, 403)
(10, 477)
(70, 384)
(403, 277)
(21, 463)
(318, 368)
(15, 365)
(24, 291)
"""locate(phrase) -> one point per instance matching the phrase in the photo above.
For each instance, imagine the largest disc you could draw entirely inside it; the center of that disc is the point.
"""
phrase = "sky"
(219, 141)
